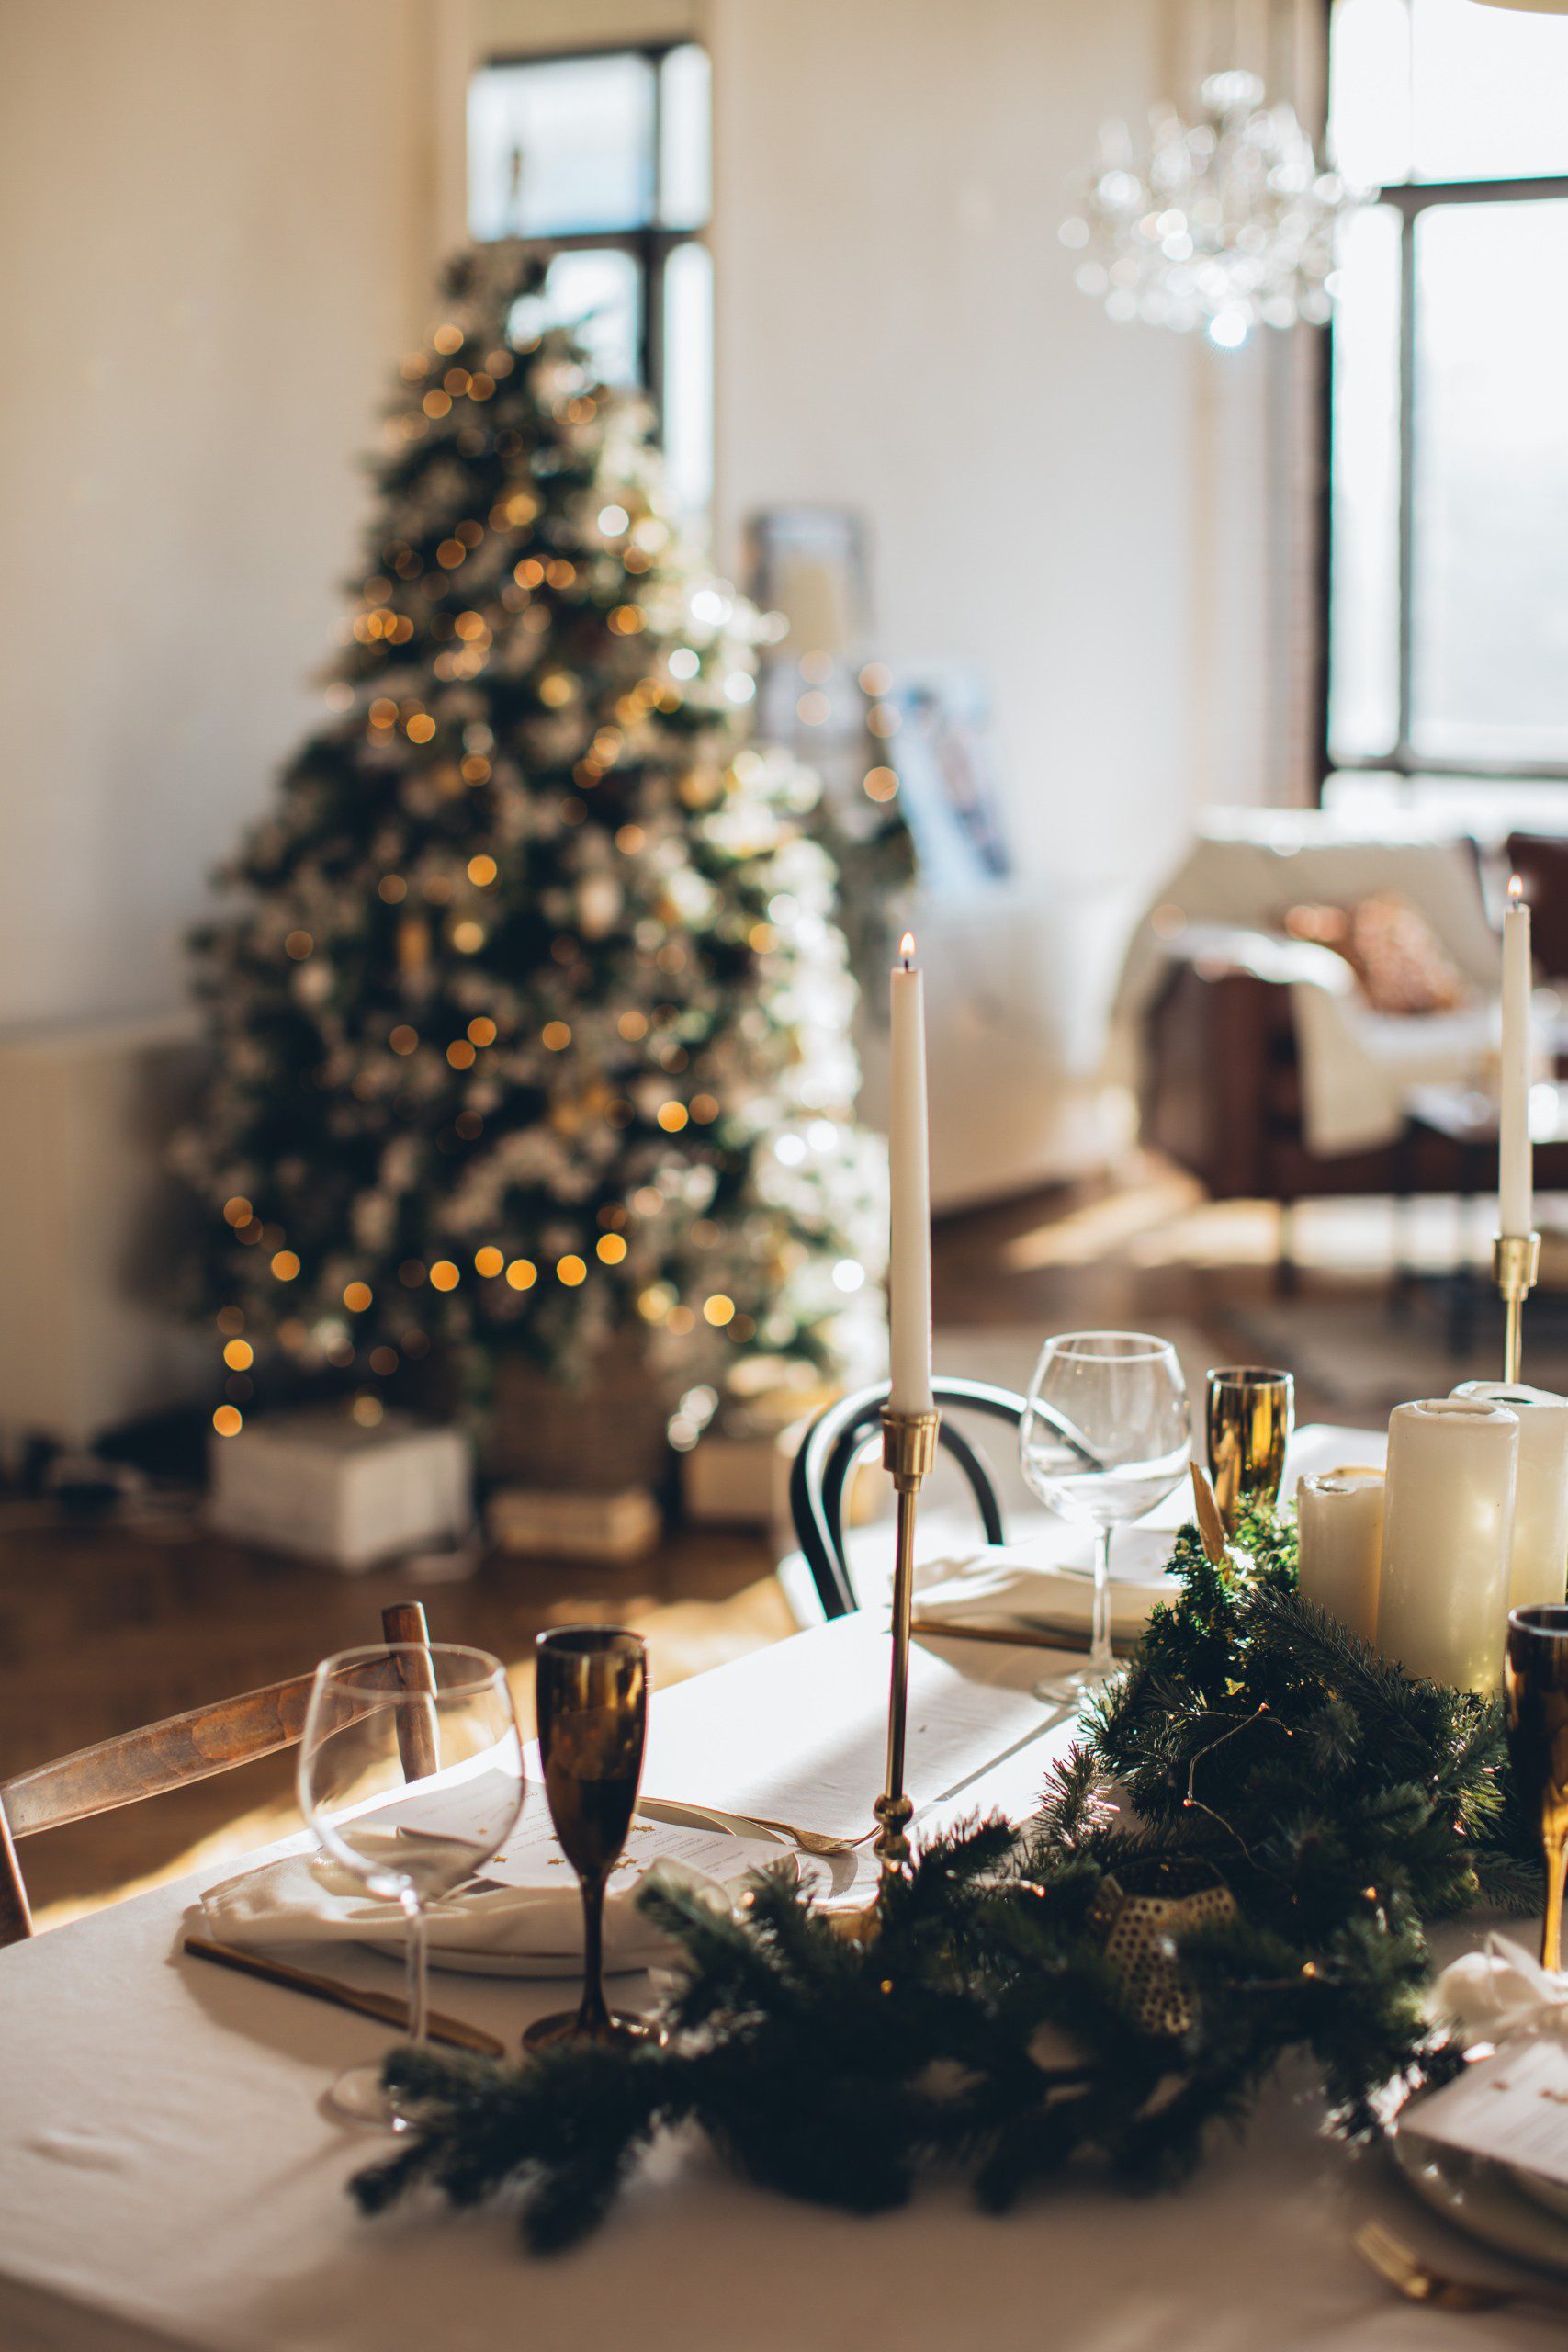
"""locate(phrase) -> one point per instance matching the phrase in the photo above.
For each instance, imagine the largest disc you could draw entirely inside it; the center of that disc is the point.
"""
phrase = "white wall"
(220, 225)
(1075, 508)
(216, 238)
(899, 329)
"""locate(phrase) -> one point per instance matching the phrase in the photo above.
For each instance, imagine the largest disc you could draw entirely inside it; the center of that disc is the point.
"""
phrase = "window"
(601, 164)
(1448, 623)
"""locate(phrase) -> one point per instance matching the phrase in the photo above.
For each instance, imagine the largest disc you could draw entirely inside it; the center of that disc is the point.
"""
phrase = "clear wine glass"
(410, 1774)
(1105, 1436)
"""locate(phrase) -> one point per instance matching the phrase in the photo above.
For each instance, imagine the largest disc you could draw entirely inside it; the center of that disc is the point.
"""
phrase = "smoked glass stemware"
(1535, 1690)
(591, 1699)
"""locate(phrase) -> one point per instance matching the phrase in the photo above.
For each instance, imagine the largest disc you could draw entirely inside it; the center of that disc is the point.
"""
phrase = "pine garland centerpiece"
(986, 2027)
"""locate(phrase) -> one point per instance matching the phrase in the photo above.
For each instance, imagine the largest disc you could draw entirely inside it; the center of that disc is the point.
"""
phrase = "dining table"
(170, 2176)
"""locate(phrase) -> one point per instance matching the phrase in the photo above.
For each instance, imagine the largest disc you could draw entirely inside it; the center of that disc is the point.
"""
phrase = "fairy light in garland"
(1191, 1802)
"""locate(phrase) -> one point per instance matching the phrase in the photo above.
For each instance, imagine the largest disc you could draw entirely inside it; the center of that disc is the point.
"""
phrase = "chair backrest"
(840, 1433)
(192, 1746)
(1541, 862)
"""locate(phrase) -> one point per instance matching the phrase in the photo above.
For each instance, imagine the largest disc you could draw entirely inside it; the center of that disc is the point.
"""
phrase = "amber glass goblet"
(1535, 1685)
(591, 1699)
(1250, 1413)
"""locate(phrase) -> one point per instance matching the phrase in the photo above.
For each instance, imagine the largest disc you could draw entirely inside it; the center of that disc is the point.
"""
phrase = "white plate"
(551, 1965)
(1139, 1555)
(1486, 2199)
(1541, 2191)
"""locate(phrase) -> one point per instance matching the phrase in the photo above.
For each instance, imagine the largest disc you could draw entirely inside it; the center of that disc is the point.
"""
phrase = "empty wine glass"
(410, 1774)
(1105, 1436)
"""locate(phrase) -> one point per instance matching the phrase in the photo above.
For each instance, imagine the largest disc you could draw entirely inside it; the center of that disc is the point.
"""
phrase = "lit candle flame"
(907, 944)
(1516, 890)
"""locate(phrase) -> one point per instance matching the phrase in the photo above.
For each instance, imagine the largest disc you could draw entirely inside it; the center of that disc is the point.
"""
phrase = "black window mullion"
(1407, 428)
(654, 251)
(1415, 196)
(649, 243)
(651, 249)
(1411, 198)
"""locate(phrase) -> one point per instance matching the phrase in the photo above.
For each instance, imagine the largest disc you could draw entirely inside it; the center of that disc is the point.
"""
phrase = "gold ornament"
(1141, 1913)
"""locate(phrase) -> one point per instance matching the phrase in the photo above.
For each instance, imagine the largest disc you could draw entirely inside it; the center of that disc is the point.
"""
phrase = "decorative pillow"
(1398, 960)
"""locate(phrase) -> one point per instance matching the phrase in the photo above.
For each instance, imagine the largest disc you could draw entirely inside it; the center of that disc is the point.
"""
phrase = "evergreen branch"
(984, 2028)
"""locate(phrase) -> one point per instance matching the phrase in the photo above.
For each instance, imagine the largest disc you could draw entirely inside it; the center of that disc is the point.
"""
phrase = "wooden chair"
(842, 1433)
(183, 1748)
(1541, 860)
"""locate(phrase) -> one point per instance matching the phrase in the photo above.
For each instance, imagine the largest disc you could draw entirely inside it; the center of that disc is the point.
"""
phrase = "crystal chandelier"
(1228, 223)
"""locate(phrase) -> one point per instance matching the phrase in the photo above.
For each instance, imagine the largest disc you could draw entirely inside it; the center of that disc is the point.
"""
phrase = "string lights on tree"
(529, 1005)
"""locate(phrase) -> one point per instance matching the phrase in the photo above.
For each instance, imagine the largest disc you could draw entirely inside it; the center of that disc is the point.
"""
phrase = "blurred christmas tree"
(532, 1017)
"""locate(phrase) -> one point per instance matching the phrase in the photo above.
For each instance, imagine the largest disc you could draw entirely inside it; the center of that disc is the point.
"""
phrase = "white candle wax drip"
(1448, 1524)
(1339, 1518)
(1538, 1560)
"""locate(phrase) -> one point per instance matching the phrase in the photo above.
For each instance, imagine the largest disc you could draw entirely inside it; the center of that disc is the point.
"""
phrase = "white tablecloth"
(167, 2178)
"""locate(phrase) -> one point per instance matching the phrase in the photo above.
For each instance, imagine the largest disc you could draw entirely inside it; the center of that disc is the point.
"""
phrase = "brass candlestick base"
(1516, 1263)
(909, 1454)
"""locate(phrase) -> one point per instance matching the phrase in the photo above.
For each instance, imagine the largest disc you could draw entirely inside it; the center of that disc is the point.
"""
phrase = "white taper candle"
(909, 1146)
(1515, 1213)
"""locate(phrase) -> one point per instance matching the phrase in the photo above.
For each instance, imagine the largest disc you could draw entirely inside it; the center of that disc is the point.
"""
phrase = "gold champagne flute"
(1535, 1685)
(1250, 1412)
(591, 1699)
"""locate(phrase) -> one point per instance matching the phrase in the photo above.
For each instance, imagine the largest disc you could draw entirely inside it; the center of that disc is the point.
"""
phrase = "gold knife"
(389, 2007)
(1019, 1637)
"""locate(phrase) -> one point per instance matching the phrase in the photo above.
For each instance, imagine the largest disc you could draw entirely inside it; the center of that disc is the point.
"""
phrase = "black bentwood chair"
(842, 1431)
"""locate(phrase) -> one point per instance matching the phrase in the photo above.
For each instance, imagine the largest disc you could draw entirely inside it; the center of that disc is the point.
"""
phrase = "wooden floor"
(104, 1627)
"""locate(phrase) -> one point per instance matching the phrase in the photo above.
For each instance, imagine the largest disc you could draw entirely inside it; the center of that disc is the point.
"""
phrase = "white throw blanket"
(1230, 896)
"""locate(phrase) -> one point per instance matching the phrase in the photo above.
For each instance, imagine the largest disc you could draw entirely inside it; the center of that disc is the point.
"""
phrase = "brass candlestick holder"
(909, 1454)
(1516, 1263)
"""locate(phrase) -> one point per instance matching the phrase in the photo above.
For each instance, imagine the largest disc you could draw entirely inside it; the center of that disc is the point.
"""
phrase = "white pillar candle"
(1339, 1532)
(1537, 1562)
(909, 1250)
(1448, 1520)
(1515, 1213)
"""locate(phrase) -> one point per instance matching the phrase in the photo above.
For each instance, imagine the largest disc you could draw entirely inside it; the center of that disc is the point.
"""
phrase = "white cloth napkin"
(309, 1898)
(1004, 1586)
(1501, 1992)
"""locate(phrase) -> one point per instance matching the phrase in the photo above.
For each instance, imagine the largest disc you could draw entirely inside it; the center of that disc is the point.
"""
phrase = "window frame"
(651, 247)
(1410, 199)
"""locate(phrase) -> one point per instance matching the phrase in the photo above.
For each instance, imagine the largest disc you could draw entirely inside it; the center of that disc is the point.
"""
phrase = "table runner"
(164, 2168)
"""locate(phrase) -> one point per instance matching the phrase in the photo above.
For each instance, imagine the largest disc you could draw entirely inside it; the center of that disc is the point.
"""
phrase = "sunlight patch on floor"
(1165, 1222)
(1362, 1237)
(684, 1637)
(1104, 1227)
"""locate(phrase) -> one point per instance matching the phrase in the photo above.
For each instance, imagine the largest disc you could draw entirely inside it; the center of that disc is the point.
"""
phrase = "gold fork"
(1405, 2270)
(810, 1841)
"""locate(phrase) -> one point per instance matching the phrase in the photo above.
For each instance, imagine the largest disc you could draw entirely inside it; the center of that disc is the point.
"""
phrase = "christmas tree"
(530, 1011)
